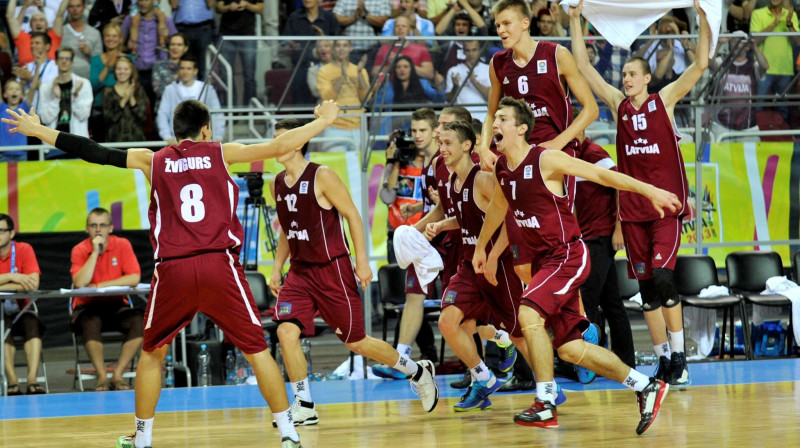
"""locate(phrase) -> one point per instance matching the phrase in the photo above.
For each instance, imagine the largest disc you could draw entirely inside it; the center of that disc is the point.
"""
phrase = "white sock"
(636, 380)
(406, 365)
(285, 425)
(501, 338)
(302, 391)
(676, 340)
(663, 350)
(404, 349)
(481, 372)
(144, 432)
(546, 391)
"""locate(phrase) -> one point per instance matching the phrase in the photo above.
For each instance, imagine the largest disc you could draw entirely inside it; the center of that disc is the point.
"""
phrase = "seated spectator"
(406, 87)
(145, 33)
(323, 54)
(668, 57)
(66, 101)
(187, 88)
(38, 24)
(125, 105)
(471, 21)
(238, 18)
(422, 7)
(740, 80)
(311, 20)
(42, 69)
(416, 52)
(104, 12)
(474, 74)
(362, 18)
(347, 84)
(102, 76)
(82, 38)
(408, 9)
(98, 261)
(12, 95)
(19, 271)
(166, 71)
(549, 21)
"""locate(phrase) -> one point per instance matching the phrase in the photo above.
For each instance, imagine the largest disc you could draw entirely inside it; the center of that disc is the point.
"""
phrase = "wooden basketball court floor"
(729, 404)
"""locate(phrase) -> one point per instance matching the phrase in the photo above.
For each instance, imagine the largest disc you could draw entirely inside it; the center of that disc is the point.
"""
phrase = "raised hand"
(328, 110)
(575, 11)
(22, 122)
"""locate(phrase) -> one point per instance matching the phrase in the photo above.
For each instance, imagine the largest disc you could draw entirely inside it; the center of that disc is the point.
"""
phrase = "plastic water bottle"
(230, 368)
(241, 368)
(169, 380)
(306, 345)
(203, 367)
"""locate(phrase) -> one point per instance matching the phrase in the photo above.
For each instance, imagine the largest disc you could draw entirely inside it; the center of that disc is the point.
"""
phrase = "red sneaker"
(541, 414)
(650, 402)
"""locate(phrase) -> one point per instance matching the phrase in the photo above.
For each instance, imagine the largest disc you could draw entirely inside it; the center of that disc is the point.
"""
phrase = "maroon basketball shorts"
(480, 300)
(213, 284)
(330, 288)
(554, 289)
(651, 245)
(521, 252)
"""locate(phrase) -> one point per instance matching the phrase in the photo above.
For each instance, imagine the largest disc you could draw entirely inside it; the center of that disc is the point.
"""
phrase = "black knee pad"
(665, 288)
(650, 299)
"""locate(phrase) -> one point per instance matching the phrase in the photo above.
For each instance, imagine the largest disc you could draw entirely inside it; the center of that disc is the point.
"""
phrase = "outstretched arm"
(677, 89)
(287, 142)
(611, 96)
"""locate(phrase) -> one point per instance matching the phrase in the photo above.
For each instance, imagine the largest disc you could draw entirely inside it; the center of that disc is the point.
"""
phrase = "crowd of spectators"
(376, 72)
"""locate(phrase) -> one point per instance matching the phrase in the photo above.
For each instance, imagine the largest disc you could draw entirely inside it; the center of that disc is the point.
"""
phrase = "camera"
(406, 149)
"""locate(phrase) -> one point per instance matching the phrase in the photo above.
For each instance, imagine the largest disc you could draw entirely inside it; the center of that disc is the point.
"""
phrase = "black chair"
(628, 287)
(748, 272)
(19, 342)
(692, 274)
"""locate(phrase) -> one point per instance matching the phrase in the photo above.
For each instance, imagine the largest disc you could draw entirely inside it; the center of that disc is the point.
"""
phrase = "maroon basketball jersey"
(470, 216)
(192, 201)
(544, 219)
(315, 234)
(595, 204)
(647, 150)
(539, 84)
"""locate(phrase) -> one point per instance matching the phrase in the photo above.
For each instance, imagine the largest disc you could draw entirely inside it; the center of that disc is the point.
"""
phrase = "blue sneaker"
(508, 354)
(592, 336)
(384, 371)
(477, 394)
(561, 398)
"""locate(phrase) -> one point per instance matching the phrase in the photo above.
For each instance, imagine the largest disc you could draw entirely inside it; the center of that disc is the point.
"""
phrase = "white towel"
(411, 247)
(701, 323)
(623, 21)
(789, 289)
(636, 298)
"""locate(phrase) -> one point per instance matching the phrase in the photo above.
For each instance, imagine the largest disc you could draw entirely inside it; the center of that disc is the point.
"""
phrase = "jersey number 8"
(192, 207)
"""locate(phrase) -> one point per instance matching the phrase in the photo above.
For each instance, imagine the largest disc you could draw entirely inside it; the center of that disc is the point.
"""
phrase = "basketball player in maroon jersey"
(470, 298)
(530, 183)
(311, 200)
(195, 234)
(647, 149)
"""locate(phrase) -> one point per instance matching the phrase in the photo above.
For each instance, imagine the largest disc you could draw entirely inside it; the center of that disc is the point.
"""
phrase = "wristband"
(392, 160)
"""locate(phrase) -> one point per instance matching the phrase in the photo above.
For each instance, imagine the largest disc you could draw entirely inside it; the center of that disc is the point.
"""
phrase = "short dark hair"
(98, 211)
(8, 220)
(520, 5)
(66, 50)
(522, 113)
(477, 126)
(642, 62)
(463, 16)
(543, 12)
(182, 36)
(458, 112)
(425, 113)
(289, 124)
(463, 130)
(189, 118)
(44, 36)
(188, 57)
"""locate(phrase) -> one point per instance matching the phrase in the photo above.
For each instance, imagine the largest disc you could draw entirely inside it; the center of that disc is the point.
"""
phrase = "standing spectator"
(777, 49)
(102, 76)
(238, 18)
(195, 19)
(423, 26)
(187, 88)
(38, 71)
(165, 71)
(475, 23)
(454, 53)
(38, 23)
(143, 40)
(474, 74)
(66, 101)
(98, 261)
(13, 99)
(549, 21)
(323, 54)
(347, 84)
(419, 55)
(739, 12)
(361, 18)
(19, 271)
(125, 105)
(82, 38)
(104, 12)
(309, 21)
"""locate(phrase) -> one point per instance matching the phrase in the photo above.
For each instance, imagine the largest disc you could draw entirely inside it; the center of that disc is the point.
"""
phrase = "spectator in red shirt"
(38, 21)
(19, 271)
(417, 52)
(99, 261)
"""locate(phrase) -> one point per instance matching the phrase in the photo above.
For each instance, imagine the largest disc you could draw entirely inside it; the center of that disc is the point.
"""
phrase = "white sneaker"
(302, 415)
(287, 442)
(424, 385)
